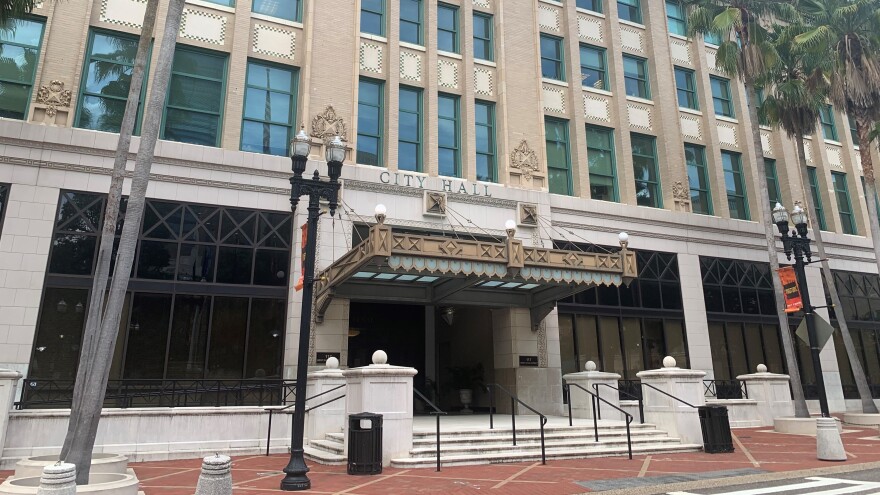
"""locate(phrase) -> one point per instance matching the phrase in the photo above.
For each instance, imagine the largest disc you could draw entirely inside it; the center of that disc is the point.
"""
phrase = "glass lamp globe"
(798, 216)
(780, 214)
(301, 145)
(335, 150)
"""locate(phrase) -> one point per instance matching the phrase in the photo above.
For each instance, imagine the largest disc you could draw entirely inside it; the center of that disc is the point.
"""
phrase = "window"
(552, 59)
(226, 3)
(676, 17)
(826, 117)
(371, 111)
(447, 28)
(269, 109)
(630, 10)
(635, 77)
(817, 198)
(844, 206)
(196, 93)
(647, 178)
(772, 182)
(20, 41)
(721, 97)
(4, 199)
(594, 67)
(737, 201)
(558, 157)
(448, 136)
(593, 5)
(484, 45)
(105, 82)
(698, 179)
(712, 39)
(373, 17)
(290, 10)
(409, 130)
(411, 21)
(686, 89)
(853, 130)
(762, 118)
(484, 129)
(600, 158)
(860, 300)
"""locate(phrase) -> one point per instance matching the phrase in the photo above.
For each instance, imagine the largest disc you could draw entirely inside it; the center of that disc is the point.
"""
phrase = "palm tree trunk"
(92, 378)
(868, 405)
(863, 127)
(797, 389)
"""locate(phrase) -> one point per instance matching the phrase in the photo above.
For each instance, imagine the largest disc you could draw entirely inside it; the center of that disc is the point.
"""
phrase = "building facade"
(577, 119)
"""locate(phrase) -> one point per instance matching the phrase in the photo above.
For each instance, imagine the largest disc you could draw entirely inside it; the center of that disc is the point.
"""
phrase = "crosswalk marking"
(813, 482)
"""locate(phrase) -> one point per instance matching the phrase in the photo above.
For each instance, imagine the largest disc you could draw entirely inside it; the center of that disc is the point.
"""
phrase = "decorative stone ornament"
(669, 362)
(380, 357)
(435, 203)
(327, 125)
(527, 214)
(682, 196)
(53, 96)
(525, 160)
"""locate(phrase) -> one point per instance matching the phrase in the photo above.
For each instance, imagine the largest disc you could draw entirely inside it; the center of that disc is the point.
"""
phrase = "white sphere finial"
(380, 357)
(510, 224)
(590, 366)
(380, 212)
(623, 237)
(762, 368)
(669, 362)
(332, 363)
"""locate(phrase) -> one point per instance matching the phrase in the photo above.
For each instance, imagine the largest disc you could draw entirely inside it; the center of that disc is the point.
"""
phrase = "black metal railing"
(594, 398)
(436, 413)
(622, 394)
(668, 395)
(630, 389)
(272, 411)
(726, 389)
(58, 394)
(514, 400)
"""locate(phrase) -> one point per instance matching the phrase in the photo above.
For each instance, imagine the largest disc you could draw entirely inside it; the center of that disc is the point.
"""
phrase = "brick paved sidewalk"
(757, 450)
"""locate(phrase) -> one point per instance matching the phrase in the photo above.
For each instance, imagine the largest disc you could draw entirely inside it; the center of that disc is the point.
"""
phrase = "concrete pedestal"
(581, 402)
(329, 418)
(829, 446)
(771, 393)
(8, 381)
(387, 390)
(216, 476)
(670, 415)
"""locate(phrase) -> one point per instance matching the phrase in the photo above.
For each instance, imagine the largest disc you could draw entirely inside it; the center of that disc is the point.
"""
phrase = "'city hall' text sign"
(446, 185)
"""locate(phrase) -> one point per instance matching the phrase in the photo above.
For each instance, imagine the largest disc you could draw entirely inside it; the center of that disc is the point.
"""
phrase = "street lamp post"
(316, 189)
(796, 242)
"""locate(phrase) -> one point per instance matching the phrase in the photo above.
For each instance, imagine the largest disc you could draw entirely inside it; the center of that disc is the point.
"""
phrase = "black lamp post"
(797, 242)
(316, 189)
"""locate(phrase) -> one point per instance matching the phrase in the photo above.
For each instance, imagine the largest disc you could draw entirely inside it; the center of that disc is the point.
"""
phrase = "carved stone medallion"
(53, 96)
(326, 125)
(525, 160)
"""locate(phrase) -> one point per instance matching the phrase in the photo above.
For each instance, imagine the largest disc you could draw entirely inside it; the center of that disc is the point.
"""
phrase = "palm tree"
(848, 33)
(102, 321)
(10, 9)
(797, 89)
(746, 52)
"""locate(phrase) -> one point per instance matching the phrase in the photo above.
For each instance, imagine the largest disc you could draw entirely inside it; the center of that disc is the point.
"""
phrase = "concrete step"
(535, 455)
(323, 457)
(534, 429)
(329, 446)
(478, 449)
(536, 436)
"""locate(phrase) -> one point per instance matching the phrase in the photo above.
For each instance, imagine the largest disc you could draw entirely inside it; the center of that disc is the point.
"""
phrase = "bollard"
(829, 446)
(216, 477)
(58, 479)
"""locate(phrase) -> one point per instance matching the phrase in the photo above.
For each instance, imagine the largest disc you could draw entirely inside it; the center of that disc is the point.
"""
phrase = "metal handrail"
(272, 411)
(669, 395)
(437, 413)
(513, 401)
(639, 399)
(593, 399)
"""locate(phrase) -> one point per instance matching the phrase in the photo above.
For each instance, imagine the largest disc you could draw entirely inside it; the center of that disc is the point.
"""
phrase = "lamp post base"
(296, 479)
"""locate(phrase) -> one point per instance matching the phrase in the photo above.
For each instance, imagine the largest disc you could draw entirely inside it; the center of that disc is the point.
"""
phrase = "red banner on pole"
(790, 290)
(305, 235)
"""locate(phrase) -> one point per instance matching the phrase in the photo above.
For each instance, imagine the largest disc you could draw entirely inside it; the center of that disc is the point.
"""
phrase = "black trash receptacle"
(716, 429)
(364, 444)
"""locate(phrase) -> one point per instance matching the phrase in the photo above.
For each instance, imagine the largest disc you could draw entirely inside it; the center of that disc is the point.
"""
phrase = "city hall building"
(577, 120)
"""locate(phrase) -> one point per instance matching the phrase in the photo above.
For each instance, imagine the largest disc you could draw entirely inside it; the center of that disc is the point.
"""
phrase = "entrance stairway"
(480, 445)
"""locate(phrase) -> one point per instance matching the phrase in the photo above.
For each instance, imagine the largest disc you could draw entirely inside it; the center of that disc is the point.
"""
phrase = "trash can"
(365, 444)
(716, 429)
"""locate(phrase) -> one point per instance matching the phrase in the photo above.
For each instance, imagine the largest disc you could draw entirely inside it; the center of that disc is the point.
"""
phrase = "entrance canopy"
(437, 270)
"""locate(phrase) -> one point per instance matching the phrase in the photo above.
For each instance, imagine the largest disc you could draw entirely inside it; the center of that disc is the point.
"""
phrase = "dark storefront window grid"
(860, 300)
(212, 323)
(626, 329)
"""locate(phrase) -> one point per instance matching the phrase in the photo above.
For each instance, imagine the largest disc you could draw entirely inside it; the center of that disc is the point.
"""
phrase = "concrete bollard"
(829, 446)
(216, 477)
(58, 479)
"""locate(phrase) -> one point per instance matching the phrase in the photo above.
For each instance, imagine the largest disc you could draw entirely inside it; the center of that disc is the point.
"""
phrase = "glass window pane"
(609, 335)
(228, 332)
(718, 346)
(147, 336)
(271, 267)
(72, 254)
(189, 337)
(14, 104)
(567, 351)
(587, 341)
(196, 263)
(632, 344)
(157, 260)
(283, 9)
(234, 265)
(57, 343)
(265, 339)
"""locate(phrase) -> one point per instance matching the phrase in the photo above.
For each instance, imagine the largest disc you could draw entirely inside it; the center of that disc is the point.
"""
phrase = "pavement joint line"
(235, 485)
(743, 480)
(383, 478)
(644, 467)
(463, 478)
(516, 475)
(851, 454)
(745, 450)
(188, 470)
